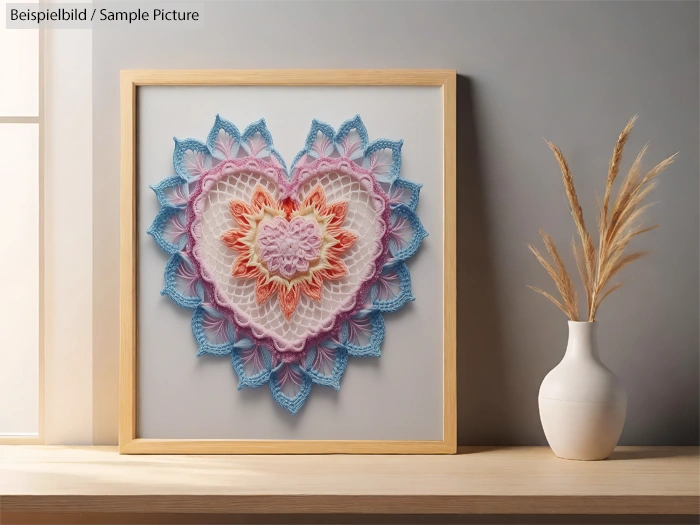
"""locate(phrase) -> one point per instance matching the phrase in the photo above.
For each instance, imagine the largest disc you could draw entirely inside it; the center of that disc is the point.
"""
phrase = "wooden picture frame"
(129, 443)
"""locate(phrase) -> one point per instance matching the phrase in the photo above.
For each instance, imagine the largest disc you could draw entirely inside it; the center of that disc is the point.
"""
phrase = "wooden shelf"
(520, 480)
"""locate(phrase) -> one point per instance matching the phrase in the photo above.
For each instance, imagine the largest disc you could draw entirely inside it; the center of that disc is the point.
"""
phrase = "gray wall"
(573, 72)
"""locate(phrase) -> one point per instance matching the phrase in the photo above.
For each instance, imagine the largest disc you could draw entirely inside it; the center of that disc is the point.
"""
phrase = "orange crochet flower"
(287, 247)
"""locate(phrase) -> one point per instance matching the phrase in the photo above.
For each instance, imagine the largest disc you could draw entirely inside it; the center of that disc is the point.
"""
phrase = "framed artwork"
(288, 262)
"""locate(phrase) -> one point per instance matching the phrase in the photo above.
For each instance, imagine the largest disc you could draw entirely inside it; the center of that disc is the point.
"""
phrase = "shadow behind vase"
(582, 403)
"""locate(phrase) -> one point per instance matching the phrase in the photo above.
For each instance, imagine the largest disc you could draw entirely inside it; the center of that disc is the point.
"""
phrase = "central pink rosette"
(287, 247)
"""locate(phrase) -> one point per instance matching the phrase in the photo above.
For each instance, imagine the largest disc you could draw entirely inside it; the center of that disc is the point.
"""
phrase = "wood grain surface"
(519, 480)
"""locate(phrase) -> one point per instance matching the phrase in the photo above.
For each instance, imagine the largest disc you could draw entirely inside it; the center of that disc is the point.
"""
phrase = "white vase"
(582, 403)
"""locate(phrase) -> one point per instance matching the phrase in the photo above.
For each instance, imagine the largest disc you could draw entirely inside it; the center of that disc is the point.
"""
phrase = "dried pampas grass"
(617, 226)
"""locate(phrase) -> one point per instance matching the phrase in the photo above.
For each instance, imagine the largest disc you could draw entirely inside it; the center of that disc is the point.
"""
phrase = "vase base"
(583, 458)
(582, 431)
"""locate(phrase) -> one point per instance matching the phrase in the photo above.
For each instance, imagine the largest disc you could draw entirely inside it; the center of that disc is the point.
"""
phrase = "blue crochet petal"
(362, 334)
(169, 229)
(392, 289)
(290, 386)
(252, 363)
(172, 192)
(383, 159)
(404, 192)
(224, 139)
(319, 141)
(257, 141)
(406, 233)
(191, 159)
(182, 282)
(352, 139)
(214, 333)
(325, 363)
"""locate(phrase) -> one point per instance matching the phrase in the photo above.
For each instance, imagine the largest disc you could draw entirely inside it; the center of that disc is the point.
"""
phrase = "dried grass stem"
(617, 226)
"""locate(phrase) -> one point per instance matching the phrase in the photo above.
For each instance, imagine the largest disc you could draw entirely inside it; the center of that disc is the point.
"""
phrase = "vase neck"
(583, 340)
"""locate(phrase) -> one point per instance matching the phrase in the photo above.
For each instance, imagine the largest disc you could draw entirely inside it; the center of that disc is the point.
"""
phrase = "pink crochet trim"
(285, 350)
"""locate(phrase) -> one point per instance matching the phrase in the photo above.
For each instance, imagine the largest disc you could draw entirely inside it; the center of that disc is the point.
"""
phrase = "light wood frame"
(130, 81)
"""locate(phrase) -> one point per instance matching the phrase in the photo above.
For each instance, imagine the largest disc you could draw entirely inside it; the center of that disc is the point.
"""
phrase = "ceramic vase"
(582, 403)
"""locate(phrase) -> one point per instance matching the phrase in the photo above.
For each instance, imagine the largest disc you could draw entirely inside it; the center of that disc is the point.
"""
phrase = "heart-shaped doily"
(242, 212)
(289, 272)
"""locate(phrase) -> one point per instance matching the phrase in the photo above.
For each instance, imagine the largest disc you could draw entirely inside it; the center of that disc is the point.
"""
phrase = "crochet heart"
(288, 272)
(289, 258)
